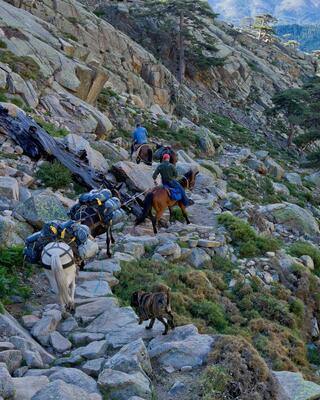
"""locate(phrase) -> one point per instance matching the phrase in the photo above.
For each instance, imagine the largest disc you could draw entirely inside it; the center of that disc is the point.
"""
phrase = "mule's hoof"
(148, 327)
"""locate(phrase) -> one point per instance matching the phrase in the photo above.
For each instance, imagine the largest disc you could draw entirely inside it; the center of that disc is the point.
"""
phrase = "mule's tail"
(150, 154)
(56, 268)
(147, 205)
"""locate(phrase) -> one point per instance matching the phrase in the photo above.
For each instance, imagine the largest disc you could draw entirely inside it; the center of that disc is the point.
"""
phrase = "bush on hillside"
(54, 175)
(248, 241)
(300, 248)
(12, 276)
(25, 66)
(51, 129)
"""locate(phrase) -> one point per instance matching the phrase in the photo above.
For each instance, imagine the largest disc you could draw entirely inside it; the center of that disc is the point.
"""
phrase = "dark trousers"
(176, 185)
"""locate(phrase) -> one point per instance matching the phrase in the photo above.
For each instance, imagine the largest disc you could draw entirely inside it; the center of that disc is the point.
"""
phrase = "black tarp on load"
(36, 142)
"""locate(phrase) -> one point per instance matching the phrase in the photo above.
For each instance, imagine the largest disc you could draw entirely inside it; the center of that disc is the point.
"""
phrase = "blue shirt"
(140, 135)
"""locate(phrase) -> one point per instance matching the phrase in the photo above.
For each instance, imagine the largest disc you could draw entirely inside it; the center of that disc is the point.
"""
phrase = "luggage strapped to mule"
(65, 251)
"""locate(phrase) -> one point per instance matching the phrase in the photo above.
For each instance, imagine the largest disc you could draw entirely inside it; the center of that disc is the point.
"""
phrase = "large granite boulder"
(40, 208)
(80, 146)
(136, 176)
(6, 382)
(75, 377)
(26, 387)
(13, 232)
(294, 387)
(292, 217)
(9, 188)
(274, 169)
(182, 347)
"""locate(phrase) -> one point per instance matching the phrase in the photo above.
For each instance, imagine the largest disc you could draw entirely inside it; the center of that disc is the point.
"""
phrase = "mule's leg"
(184, 212)
(153, 221)
(170, 215)
(170, 320)
(72, 291)
(150, 326)
(108, 242)
(111, 235)
(165, 325)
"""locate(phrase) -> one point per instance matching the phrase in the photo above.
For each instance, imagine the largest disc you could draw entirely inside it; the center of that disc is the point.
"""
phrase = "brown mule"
(158, 199)
(144, 153)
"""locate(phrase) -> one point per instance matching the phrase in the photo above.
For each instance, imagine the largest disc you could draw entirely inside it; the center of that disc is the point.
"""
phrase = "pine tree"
(292, 103)
(182, 18)
(263, 25)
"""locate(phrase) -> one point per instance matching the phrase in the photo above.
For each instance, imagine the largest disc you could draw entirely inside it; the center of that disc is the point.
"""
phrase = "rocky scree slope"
(251, 293)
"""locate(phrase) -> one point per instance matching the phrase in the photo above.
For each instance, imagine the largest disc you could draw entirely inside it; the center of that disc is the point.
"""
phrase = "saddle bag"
(33, 248)
(118, 216)
(109, 207)
(95, 197)
(50, 230)
(88, 249)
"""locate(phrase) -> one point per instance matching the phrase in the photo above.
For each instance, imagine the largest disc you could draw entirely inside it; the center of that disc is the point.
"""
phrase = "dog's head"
(135, 298)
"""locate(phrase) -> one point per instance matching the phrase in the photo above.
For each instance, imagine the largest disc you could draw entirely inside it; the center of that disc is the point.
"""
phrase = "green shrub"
(3, 97)
(177, 214)
(17, 101)
(12, 274)
(214, 382)
(51, 129)
(25, 66)
(313, 355)
(212, 313)
(70, 36)
(249, 243)
(3, 45)
(222, 264)
(300, 248)
(99, 13)
(54, 175)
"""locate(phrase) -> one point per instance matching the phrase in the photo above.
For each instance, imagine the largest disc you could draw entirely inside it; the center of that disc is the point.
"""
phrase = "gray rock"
(33, 359)
(59, 390)
(131, 358)
(103, 266)
(83, 338)
(89, 311)
(315, 332)
(134, 248)
(59, 342)
(307, 261)
(293, 178)
(199, 258)
(262, 154)
(119, 324)
(20, 372)
(169, 249)
(67, 326)
(9, 188)
(182, 347)
(69, 361)
(137, 177)
(314, 178)
(12, 358)
(92, 275)
(6, 382)
(177, 389)
(257, 166)
(12, 231)
(92, 350)
(280, 188)
(274, 169)
(292, 217)
(158, 258)
(91, 289)
(47, 324)
(41, 208)
(93, 367)
(28, 321)
(121, 386)
(209, 243)
(295, 387)
(28, 386)
(6, 346)
(75, 377)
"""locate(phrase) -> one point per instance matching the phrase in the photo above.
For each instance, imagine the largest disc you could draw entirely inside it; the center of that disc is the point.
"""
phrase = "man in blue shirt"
(139, 137)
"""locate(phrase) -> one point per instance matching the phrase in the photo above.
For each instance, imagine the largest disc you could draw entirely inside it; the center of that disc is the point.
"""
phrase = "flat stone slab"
(120, 326)
(110, 266)
(93, 289)
(295, 387)
(84, 276)
(89, 311)
(27, 386)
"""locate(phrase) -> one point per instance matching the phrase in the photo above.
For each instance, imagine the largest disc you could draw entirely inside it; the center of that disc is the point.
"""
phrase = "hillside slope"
(244, 275)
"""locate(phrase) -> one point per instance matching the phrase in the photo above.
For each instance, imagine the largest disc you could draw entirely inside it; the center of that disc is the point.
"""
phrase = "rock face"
(60, 390)
(295, 387)
(291, 216)
(137, 177)
(13, 232)
(9, 188)
(182, 347)
(26, 387)
(6, 382)
(41, 208)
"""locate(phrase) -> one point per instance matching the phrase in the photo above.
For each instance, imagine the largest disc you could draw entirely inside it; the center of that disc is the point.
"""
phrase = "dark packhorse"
(144, 153)
(162, 150)
(159, 199)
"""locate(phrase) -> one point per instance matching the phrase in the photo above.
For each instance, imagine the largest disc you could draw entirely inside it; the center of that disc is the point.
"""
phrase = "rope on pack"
(134, 197)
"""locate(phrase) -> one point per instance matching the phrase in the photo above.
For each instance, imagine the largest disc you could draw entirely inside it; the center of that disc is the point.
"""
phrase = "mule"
(91, 217)
(58, 262)
(143, 153)
(159, 199)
